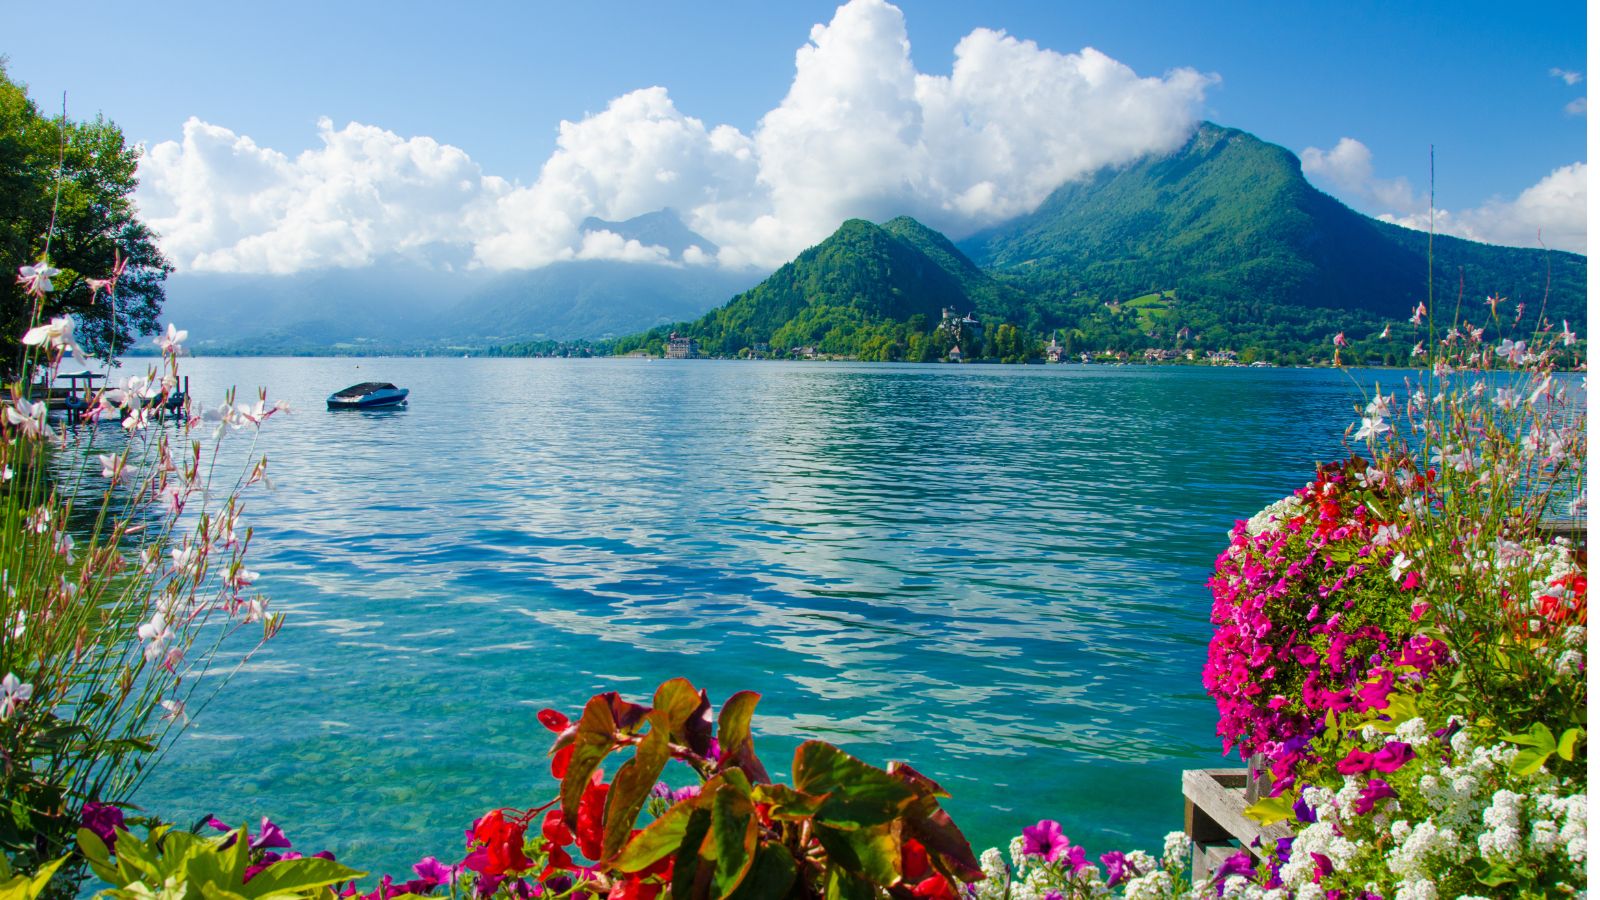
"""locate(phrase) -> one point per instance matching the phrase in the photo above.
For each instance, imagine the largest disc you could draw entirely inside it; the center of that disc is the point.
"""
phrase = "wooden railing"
(1214, 801)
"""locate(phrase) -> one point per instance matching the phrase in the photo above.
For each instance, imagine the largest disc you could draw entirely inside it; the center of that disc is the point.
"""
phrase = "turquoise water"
(994, 573)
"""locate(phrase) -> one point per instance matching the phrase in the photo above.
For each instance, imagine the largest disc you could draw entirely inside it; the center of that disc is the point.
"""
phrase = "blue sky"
(495, 80)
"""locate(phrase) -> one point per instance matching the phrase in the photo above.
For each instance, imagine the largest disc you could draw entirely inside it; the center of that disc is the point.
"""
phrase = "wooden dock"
(1214, 801)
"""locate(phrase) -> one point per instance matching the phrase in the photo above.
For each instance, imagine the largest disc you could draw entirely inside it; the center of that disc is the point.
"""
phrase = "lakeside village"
(968, 330)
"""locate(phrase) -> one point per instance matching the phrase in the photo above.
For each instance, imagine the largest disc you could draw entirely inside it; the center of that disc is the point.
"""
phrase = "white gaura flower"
(1371, 427)
(1540, 391)
(155, 634)
(1506, 398)
(176, 711)
(1379, 406)
(30, 417)
(35, 279)
(1567, 337)
(1399, 565)
(112, 468)
(172, 341)
(1386, 535)
(57, 333)
(1417, 314)
(1418, 350)
(1385, 333)
(255, 609)
(1514, 353)
(13, 693)
(186, 559)
(239, 578)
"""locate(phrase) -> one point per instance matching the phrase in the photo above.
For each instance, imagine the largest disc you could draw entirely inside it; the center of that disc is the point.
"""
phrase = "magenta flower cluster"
(1046, 840)
(1314, 613)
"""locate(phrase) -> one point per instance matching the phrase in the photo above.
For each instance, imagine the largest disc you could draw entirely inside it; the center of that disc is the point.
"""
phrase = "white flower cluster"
(1472, 807)
(1034, 878)
(1281, 511)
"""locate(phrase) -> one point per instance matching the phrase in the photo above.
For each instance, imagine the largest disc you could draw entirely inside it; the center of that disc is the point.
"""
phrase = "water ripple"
(997, 573)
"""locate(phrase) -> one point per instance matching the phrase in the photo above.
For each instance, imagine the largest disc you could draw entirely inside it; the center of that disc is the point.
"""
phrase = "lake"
(997, 574)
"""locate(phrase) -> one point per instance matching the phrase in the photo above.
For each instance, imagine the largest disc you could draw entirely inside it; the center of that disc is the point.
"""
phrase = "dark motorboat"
(367, 395)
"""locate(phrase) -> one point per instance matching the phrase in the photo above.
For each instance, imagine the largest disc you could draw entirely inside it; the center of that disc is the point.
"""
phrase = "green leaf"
(659, 839)
(784, 802)
(1271, 810)
(840, 884)
(733, 735)
(731, 841)
(595, 736)
(297, 876)
(1538, 737)
(15, 889)
(689, 877)
(858, 795)
(771, 877)
(873, 853)
(136, 859)
(1568, 748)
(631, 788)
(675, 701)
(1402, 708)
(97, 855)
(933, 827)
(41, 878)
(1529, 761)
(220, 868)
(1492, 876)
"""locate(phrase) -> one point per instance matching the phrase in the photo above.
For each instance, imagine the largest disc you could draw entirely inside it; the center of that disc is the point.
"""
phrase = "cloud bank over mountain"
(860, 133)
(1552, 213)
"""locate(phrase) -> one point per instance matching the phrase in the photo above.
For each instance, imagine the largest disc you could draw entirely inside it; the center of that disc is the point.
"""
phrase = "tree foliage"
(94, 221)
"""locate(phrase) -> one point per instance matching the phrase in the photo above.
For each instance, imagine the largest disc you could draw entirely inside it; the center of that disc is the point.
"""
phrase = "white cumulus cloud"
(222, 203)
(1348, 167)
(859, 133)
(1554, 211)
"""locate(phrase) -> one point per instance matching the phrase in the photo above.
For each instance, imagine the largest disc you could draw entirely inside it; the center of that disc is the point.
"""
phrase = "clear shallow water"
(994, 573)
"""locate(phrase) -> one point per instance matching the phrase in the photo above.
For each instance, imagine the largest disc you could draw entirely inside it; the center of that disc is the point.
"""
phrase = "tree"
(94, 222)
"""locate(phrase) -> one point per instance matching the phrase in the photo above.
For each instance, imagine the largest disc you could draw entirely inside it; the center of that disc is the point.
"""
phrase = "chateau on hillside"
(680, 347)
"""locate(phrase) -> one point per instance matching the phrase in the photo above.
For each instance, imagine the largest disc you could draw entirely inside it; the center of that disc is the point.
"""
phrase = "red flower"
(553, 720)
(913, 861)
(646, 884)
(934, 887)
(591, 818)
(559, 762)
(497, 845)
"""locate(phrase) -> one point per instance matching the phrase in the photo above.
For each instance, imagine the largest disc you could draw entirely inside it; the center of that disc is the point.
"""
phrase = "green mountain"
(874, 291)
(1222, 244)
(1253, 250)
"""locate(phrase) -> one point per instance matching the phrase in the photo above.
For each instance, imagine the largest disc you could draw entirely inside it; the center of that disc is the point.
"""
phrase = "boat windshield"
(366, 387)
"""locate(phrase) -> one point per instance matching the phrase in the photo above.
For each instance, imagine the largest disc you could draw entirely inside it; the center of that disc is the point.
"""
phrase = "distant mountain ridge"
(1221, 244)
(662, 228)
(401, 306)
(1231, 217)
